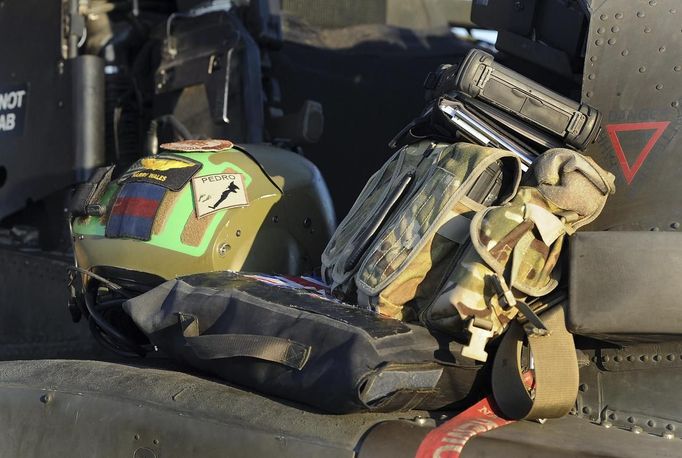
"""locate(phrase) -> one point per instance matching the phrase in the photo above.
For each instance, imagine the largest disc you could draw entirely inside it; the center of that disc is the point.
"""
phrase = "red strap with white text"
(448, 440)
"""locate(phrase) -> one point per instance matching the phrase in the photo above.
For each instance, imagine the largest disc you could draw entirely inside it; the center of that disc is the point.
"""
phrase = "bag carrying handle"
(219, 346)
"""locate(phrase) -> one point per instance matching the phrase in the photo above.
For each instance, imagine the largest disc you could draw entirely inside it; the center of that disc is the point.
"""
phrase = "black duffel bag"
(298, 345)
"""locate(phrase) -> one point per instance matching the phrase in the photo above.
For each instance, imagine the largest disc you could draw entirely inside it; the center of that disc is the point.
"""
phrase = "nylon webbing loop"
(556, 371)
(87, 194)
(268, 348)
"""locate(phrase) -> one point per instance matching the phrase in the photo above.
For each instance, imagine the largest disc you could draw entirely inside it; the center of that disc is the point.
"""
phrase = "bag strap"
(84, 200)
(218, 346)
(556, 370)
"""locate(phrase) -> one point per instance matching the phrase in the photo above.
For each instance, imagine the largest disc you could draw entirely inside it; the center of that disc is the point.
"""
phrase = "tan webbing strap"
(556, 371)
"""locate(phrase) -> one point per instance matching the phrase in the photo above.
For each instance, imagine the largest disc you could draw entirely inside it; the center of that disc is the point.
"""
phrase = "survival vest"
(444, 236)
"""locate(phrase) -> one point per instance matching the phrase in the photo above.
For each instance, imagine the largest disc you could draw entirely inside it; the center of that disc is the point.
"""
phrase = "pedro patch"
(217, 192)
(167, 170)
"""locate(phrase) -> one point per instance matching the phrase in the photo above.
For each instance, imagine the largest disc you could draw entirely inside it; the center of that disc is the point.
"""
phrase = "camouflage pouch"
(383, 193)
(407, 262)
(515, 248)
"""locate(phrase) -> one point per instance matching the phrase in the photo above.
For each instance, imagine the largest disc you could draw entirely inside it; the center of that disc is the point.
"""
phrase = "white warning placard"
(217, 192)
(13, 100)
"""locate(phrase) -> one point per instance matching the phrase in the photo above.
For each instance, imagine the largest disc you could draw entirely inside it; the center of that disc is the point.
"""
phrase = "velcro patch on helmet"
(134, 210)
(167, 170)
(217, 192)
(198, 145)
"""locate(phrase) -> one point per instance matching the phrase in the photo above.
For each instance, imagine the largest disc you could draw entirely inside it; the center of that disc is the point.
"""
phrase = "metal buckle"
(479, 339)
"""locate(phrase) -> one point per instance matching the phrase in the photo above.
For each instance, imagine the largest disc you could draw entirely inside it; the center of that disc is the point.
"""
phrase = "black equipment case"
(299, 345)
(480, 77)
(623, 286)
(484, 102)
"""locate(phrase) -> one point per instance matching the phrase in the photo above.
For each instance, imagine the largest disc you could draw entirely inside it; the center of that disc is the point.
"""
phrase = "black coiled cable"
(103, 331)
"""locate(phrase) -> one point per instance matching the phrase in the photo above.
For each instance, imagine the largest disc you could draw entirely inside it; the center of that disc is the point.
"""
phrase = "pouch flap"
(425, 213)
(512, 233)
(573, 183)
(382, 193)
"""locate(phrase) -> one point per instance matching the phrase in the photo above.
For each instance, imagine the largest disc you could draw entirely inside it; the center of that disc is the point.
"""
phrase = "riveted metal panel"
(633, 74)
(633, 388)
(95, 409)
(42, 422)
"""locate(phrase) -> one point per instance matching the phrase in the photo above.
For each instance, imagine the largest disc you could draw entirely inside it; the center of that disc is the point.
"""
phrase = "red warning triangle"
(629, 171)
